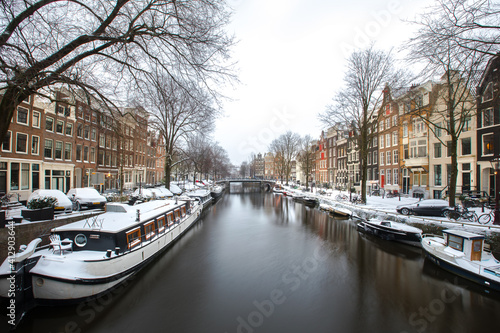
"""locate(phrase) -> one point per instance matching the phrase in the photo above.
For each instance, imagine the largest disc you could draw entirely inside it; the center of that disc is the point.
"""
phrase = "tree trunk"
(8, 103)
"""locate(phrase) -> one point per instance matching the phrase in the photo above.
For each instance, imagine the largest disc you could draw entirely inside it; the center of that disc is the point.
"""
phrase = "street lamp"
(495, 164)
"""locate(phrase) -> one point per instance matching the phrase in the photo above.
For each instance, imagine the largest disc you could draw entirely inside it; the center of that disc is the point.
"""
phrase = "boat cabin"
(122, 228)
(471, 245)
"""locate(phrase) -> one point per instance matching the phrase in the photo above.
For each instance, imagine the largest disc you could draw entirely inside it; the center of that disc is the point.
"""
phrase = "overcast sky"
(291, 59)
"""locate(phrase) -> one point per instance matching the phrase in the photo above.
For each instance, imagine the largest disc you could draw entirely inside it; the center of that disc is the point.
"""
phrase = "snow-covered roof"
(122, 216)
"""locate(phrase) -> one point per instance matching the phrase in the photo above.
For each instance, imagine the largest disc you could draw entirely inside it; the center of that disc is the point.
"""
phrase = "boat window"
(455, 242)
(80, 240)
(170, 219)
(149, 229)
(183, 211)
(177, 213)
(161, 223)
(134, 237)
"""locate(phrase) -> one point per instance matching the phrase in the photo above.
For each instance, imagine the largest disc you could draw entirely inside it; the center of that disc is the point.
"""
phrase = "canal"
(263, 263)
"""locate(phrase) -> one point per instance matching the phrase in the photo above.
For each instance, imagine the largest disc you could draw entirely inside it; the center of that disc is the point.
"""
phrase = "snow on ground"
(385, 208)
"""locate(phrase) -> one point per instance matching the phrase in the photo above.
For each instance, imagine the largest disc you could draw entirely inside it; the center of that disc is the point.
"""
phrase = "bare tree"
(358, 102)
(469, 25)
(285, 149)
(102, 48)
(306, 156)
(177, 113)
(220, 162)
(198, 151)
(459, 68)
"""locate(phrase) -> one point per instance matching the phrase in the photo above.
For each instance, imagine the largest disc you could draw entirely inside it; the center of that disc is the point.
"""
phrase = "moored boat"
(339, 211)
(217, 191)
(310, 201)
(393, 231)
(462, 253)
(203, 195)
(87, 258)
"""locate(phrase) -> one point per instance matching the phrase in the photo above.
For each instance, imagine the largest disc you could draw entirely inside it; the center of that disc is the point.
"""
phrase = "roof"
(122, 216)
(463, 234)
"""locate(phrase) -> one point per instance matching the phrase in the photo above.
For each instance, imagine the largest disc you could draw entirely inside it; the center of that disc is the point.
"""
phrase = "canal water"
(263, 263)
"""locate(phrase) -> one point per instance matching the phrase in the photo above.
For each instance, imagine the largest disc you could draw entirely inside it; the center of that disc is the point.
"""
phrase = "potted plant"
(40, 209)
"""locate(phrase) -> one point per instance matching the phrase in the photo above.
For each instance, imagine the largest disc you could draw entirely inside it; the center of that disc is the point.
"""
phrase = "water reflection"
(264, 263)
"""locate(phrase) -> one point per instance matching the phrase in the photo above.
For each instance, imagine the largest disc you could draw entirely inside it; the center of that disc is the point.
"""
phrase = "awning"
(414, 169)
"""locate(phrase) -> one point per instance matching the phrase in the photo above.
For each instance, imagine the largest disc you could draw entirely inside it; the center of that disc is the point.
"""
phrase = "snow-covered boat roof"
(121, 216)
(198, 193)
(462, 233)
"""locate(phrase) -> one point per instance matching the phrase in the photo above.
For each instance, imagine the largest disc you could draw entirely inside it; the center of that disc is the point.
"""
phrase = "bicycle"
(486, 217)
(460, 212)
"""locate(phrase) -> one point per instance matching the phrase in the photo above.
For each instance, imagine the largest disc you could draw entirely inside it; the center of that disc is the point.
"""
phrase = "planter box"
(38, 214)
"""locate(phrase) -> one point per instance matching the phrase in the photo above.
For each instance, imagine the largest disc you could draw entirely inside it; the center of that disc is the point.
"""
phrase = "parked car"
(63, 204)
(86, 197)
(429, 207)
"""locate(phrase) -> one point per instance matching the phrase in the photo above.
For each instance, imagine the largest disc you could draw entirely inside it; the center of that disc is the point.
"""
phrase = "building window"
(21, 143)
(466, 146)
(47, 152)
(6, 144)
(381, 141)
(36, 119)
(86, 132)
(488, 144)
(395, 156)
(49, 124)
(467, 124)
(14, 176)
(69, 129)
(59, 127)
(22, 115)
(25, 176)
(67, 151)
(394, 138)
(79, 153)
(422, 148)
(396, 176)
(93, 134)
(488, 93)
(92, 155)
(79, 130)
(437, 130)
(388, 177)
(405, 129)
(437, 175)
(448, 148)
(58, 150)
(85, 153)
(437, 150)
(488, 117)
(102, 140)
(382, 158)
(35, 144)
(388, 140)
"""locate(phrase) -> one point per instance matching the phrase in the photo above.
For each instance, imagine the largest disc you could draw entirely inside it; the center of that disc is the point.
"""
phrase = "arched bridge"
(265, 185)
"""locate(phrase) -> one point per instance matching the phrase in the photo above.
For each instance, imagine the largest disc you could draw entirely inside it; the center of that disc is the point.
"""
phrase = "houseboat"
(462, 253)
(393, 231)
(202, 195)
(87, 258)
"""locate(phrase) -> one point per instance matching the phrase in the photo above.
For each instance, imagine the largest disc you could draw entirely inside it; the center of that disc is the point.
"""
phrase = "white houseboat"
(462, 253)
(87, 258)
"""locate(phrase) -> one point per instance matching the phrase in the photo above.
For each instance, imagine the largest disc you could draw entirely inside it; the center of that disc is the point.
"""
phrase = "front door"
(465, 181)
(477, 247)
